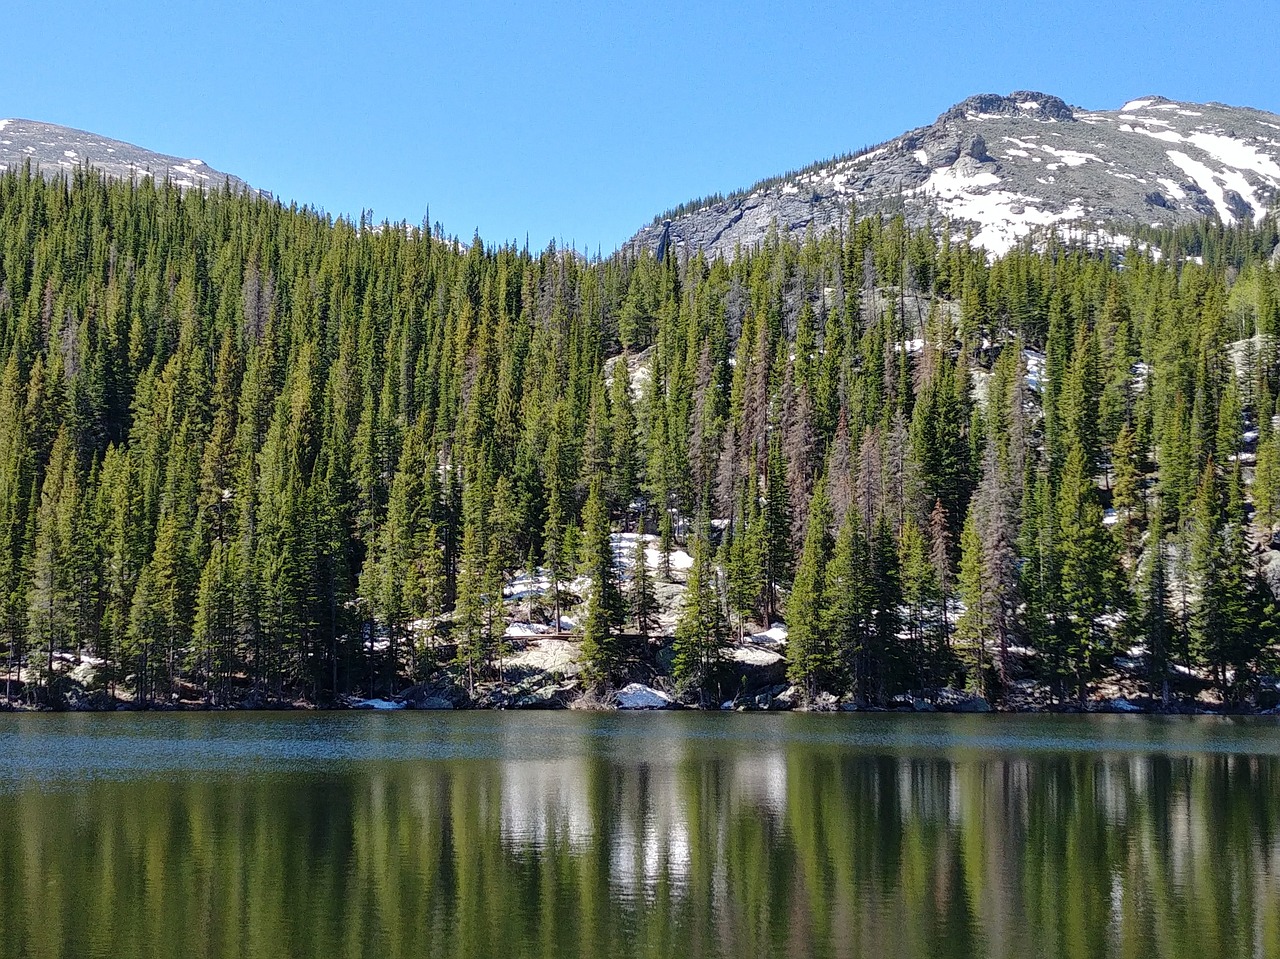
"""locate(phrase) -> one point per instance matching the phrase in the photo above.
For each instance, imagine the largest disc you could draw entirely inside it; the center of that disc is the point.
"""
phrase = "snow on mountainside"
(1007, 167)
(53, 149)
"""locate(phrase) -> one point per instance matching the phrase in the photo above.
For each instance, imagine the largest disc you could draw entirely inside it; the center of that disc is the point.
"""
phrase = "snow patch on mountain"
(1236, 153)
(1005, 168)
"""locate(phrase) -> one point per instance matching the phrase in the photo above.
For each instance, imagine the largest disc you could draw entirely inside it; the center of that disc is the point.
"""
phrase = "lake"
(665, 834)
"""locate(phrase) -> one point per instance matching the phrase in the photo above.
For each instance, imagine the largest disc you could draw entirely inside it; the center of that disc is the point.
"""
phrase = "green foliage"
(701, 630)
(601, 646)
(809, 650)
(244, 447)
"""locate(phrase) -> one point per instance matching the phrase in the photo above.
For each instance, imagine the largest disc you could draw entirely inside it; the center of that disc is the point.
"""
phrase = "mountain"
(54, 148)
(1010, 166)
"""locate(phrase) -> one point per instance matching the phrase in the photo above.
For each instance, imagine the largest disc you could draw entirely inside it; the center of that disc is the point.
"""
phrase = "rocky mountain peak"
(1020, 103)
(1006, 167)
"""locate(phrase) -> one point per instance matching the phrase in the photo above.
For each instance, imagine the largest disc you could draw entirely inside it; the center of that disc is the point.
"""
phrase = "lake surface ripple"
(674, 835)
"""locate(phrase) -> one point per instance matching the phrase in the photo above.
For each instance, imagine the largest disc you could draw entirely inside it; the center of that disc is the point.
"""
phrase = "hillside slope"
(1007, 167)
(54, 148)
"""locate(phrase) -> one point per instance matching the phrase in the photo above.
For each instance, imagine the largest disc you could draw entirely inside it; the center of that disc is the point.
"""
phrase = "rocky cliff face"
(53, 149)
(1009, 167)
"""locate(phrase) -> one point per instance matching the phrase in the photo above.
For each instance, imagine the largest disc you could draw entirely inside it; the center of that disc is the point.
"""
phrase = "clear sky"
(577, 121)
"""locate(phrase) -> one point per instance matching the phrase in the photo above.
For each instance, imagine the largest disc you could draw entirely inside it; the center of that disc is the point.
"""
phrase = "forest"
(251, 450)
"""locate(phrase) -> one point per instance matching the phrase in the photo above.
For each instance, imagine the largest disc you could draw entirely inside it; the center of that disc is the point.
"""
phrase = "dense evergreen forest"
(248, 449)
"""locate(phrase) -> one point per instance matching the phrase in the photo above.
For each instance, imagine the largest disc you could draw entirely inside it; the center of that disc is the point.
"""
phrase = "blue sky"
(575, 121)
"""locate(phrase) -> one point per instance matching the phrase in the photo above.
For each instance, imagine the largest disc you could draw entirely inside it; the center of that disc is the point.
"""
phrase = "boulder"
(823, 703)
(959, 701)
(547, 697)
(1119, 705)
(754, 667)
(639, 696)
(789, 698)
(429, 702)
(438, 695)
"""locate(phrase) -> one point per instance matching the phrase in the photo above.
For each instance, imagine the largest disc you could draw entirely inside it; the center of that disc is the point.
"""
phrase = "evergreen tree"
(1156, 630)
(700, 631)
(602, 649)
(469, 625)
(849, 604)
(809, 656)
(1089, 587)
(643, 599)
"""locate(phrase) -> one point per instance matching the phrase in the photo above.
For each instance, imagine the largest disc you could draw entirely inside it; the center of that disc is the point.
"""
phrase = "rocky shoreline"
(543, 672)
(447, 695)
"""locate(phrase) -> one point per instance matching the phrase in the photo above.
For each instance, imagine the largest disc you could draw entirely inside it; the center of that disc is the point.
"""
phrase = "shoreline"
(355, 704)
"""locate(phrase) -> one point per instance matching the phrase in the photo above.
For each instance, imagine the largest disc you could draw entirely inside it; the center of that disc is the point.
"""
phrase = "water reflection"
(612, 836)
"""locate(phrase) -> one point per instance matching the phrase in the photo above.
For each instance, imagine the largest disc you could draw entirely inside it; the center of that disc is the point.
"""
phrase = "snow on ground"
(951, 183)
(775, 635)
(680, 560)
(1072, 157)
(1004, 216)
(1216, 183)
(1141, 374)
(520, 630)
(1235, 153)
(639, 696)
(1137, 104)
(375, 704)
(1035, 369)
(753, 656)
(525, 585)
(624, 546)
(1169, 136)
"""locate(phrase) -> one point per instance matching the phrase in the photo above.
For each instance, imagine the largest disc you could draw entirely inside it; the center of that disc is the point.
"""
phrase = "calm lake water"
(671, 835)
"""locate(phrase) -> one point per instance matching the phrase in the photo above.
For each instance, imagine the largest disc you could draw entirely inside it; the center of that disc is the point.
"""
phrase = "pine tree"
(890, 666)
(940, 549)
(1226, 627)
(777, 530)
(643, 599)
(809, 655)
(666, 545)
(700, 630)
(554, 548)
(1156, 630)
(1266, 482)
(469, 627)
(1126, 497)
(1090, 588)
(214, 625)
(919, 594)
(848, 604)
(602, 649)
(49, 594)
(623, 465)
(975, 628)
